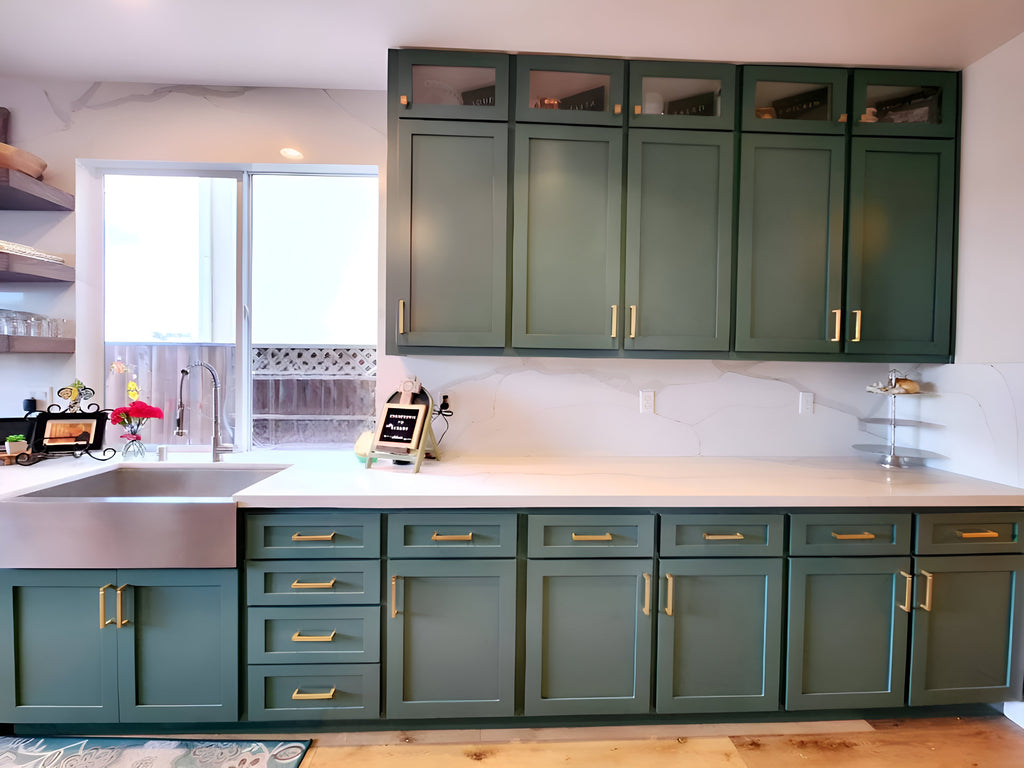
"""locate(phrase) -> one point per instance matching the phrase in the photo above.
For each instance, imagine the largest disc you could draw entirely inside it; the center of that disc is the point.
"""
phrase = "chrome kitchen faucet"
(217, 446)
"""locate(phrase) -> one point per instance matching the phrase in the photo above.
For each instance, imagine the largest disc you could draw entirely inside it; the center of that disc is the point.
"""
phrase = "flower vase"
(133, 447)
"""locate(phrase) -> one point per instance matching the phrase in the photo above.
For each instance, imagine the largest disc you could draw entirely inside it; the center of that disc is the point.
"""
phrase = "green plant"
(15, 438)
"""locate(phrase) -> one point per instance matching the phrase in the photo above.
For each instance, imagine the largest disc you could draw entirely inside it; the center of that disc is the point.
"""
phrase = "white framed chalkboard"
(400, 427)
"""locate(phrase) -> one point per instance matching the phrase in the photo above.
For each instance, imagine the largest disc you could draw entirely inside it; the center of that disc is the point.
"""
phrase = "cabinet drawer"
(721, 535)
(311, 634)
(311, 533)
(886, 533)
(314, 691)
(590, 535)
(968, 532)
(428, 534)
(311, 582)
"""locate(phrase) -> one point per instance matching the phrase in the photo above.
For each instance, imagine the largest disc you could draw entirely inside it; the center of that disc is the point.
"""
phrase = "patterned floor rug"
(46, 752)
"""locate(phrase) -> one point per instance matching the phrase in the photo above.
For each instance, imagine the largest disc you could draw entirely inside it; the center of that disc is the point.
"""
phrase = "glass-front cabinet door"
(668, 94)
(794, 99)
(904, 103)
(568, 89)
(455, 85)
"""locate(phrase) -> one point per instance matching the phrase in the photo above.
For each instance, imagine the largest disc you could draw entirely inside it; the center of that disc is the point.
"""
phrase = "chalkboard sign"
(400, 426)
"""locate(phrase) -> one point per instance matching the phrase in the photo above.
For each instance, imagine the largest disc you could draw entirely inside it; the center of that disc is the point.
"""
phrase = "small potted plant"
(16, 444)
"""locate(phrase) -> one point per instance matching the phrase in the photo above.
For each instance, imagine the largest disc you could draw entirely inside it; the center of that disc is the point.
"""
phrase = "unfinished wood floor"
(975, 740)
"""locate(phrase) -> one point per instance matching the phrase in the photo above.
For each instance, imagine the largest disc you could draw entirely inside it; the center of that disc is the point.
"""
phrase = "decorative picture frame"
(66, 433)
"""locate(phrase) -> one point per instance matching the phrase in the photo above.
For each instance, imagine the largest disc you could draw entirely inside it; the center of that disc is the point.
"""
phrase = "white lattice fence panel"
(315, 362)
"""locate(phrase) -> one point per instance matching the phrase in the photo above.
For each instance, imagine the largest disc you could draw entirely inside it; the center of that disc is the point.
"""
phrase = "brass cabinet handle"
(394, 596)
(401, 316)
(856, 324)
(632, 321)
(617, 109)
(314, 536)
(313, 696)
(838, 314)
(403, 100)
(119, 592)
(104, 621)
(928, 577)
(670, 581)
(313, 584)
(723, 536)
(646, 610)
(908, 596)
(435, 536)
(298, 637)
(637, 109)
(978, 534)
(615, 320)
(852, 536)
(591, 536)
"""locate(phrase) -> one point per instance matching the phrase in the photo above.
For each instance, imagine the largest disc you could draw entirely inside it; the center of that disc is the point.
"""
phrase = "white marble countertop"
(339, 479)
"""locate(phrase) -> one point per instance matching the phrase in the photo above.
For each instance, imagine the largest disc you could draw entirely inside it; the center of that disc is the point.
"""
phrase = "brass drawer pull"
(853, 536)
(632, 321)
(615, 320)
(908, 596)
(978, 534)
(401, 317)
(856, 324)
(646, 610)
(119, 592)
(451, 536)
(394, 597)
(592, 536)
(300, 638)
(313, 584)
(669, 593)
(929, 577)
(104, 621)
(839, 315)
(723, 536)
(314, 536)
(313, 696)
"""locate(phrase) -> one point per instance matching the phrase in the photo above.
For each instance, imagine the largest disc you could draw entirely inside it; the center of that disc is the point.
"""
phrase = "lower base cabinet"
(130, 646)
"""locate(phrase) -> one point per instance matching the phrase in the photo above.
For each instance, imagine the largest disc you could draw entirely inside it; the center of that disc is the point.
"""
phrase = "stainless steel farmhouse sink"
(129, 517)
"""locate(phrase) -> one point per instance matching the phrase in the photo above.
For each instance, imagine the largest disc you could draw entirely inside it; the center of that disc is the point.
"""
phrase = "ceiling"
(343, 43)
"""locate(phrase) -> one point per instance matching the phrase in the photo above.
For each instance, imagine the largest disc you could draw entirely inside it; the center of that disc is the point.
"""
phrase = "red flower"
(136, 413)
(118, 414)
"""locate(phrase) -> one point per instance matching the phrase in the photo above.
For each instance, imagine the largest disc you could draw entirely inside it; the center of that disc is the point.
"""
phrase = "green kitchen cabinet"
(790, 244)
(576, 90)
(794, 99)
(899, 271)
(966, 630)
(451, 638)
(905, 102)
(847, 630)
(588, 636)
(566, 256)
(695, 95)
(454, 85)
(135, 646)
(678, 269)
(447, 242)
(719, 635)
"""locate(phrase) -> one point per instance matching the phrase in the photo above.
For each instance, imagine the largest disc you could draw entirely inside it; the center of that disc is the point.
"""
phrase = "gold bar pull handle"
(314, 536)
(104, 621)
(669, 593)
(908, 596)
(119, 592)
(856, 324)
(607, 536)
(853, 536)
(928, 577)
(723, 536)
(298, 637)
(394, 596)
(978, 534)
(632, 321)
(313, 696)
(839, 317)
(403, 100)
(313, 584)
(646, 609)
(637, 109)
(617, 109)
(401, 317)
(435, 536)
(615, 320)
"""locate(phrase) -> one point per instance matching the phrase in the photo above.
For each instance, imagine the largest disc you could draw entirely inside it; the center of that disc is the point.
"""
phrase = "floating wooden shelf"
(22, 269)
(36, 344)
(20, 192)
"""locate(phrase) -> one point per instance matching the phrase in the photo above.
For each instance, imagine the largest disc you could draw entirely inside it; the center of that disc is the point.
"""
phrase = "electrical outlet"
(43, 396)
(805, 405)
(646, 401)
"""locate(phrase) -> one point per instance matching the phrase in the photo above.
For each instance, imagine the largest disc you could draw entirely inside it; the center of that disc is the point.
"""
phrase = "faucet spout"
(218, 448)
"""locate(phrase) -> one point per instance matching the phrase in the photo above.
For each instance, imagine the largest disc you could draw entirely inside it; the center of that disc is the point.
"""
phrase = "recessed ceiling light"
(291, 154)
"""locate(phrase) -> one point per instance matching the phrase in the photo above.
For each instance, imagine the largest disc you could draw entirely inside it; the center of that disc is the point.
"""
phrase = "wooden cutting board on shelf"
(20, 160)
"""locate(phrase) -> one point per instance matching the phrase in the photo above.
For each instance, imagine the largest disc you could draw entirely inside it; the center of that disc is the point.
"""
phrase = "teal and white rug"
(46, 752)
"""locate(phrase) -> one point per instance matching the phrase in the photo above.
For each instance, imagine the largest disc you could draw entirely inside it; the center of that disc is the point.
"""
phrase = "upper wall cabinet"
(794, 99)
(904, 103)
(452, 84)
(569, 89)
(665, 94)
